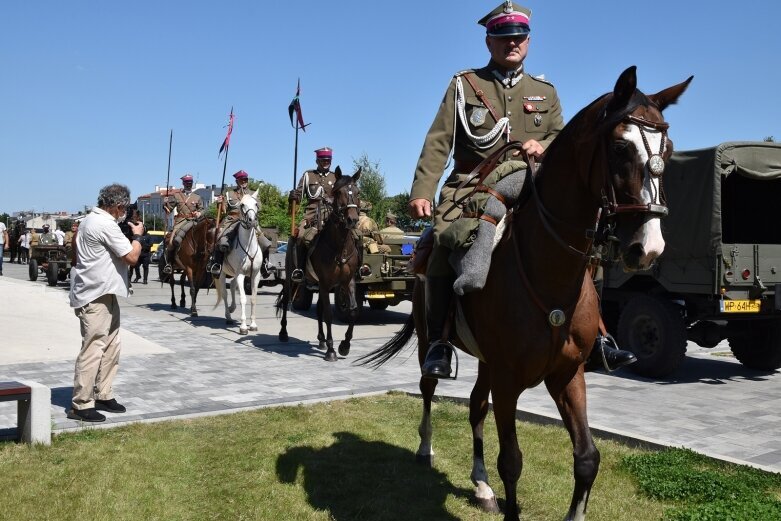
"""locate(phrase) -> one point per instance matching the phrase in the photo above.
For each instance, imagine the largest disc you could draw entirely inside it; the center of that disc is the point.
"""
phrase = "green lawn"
(343, 460)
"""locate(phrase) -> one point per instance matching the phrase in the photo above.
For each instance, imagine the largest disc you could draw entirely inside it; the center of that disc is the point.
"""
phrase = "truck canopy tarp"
(714, 197)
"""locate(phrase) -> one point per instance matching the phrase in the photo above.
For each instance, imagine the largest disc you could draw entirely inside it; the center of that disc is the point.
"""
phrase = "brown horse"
(193, 257)
(537, 317)
(335, 258)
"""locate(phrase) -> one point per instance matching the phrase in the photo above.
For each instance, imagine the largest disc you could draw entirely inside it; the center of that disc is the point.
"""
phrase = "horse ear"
(357, 175)
(338, 172)
(255, 195)
(624, 89)
(670, 95)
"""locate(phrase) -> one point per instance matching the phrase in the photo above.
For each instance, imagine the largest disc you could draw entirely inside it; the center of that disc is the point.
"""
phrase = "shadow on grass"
(358, 479)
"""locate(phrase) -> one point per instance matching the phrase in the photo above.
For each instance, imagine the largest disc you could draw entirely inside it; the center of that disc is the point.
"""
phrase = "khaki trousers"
(98, 361)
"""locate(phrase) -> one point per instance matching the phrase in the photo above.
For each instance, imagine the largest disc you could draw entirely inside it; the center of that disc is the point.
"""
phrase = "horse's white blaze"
(650, 234)
(426, 433)
(480, 479)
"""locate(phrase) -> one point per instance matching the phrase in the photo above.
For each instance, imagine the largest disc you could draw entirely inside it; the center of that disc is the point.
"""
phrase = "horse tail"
(280, 302)
(392, 347)
(220, 288)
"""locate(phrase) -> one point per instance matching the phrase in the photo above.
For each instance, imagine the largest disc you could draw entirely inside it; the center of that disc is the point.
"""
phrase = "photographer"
(100, 274)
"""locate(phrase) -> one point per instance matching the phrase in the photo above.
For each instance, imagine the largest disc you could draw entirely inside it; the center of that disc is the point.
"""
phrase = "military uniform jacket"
(313, 182)
(186, 204)
(233, 200)
(532, 106)
(48, 239)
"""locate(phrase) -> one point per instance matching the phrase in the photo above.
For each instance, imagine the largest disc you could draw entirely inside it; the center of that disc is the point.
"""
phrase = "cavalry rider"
(48, 238)
(317, 185)
(232, 216)
(481, 111)
(188, 206)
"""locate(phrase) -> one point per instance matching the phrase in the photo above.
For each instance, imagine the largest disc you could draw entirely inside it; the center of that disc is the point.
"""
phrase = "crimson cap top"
(324, 153)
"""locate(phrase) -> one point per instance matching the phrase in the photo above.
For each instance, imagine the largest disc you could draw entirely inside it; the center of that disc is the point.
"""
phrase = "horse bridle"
(658, 206)
(341, 211)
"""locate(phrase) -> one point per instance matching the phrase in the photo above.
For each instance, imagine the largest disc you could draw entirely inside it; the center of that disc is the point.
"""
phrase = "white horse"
(243, 259)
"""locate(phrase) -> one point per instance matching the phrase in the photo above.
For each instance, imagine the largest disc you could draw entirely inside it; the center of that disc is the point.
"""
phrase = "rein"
(339, 215)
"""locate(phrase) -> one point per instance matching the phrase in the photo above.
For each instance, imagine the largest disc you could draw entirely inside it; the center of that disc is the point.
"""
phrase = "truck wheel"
(302, 299)
(342, 305)
(51, 273)
(32, 269)
(758, 346)
(654, 331)
(378, 305)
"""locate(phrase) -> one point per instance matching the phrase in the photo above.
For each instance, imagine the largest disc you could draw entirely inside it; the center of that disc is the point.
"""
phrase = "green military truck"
(383, 279)
(720, 274)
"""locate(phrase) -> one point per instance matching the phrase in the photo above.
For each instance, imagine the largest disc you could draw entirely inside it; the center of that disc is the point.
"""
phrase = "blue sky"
(92, 88)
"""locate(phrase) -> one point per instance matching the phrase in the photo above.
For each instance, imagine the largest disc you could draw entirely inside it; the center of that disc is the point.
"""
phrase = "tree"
(372, 185)
(769, 139)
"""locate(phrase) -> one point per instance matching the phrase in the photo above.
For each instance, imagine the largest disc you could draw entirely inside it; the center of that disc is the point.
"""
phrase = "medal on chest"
(477, 118)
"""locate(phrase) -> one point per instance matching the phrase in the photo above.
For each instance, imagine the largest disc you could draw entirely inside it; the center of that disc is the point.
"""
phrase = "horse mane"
(598, 116)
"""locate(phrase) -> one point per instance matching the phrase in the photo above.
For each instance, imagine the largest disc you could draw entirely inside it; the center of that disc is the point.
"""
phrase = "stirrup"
(297, 275)
(607, 341)
(167, 269)
(453, 354)
(215, 269)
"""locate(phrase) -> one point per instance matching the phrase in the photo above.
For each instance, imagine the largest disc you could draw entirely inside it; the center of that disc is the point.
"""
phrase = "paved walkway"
(173, 366)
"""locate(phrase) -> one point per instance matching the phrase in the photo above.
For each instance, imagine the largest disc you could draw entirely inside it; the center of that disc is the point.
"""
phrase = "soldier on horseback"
(228, 224)
(481, 111)
(188, 206)
(317, 185)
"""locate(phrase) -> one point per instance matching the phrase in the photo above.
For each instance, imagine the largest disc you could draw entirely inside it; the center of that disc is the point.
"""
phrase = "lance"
(168, 175)
(225, 146)
(295, 107)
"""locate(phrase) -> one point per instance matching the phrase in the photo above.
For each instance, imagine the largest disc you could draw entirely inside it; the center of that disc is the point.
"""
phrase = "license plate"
(740, 306)
(379, 294)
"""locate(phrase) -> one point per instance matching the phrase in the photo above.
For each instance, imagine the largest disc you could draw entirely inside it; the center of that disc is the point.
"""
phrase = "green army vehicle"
(382, 277)
(720, 274)
(51, 260)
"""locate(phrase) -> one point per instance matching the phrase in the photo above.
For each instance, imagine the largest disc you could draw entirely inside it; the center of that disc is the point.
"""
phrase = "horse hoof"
(426, 460)
(253, 328)
(193, 313)
(243, 330)
(330, 356)
(283, 337)
(489, 505)
(344, 348)
(173, 306)
(321, 346)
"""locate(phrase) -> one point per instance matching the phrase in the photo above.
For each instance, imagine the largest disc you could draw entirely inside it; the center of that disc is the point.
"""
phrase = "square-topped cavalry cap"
(508, 19)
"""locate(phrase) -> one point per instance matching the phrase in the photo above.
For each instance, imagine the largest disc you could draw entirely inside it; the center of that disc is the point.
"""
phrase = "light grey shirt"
(100, 269)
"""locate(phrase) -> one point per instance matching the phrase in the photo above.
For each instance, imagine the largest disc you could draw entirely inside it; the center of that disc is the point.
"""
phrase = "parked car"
(720, 274)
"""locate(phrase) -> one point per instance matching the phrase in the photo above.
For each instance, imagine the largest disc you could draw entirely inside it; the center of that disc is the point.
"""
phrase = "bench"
(33, 410)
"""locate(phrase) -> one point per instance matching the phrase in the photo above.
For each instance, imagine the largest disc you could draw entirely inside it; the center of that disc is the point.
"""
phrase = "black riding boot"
(439, 292)
(216, 265)
(168, 269)
(299, 262)
(606, 355)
